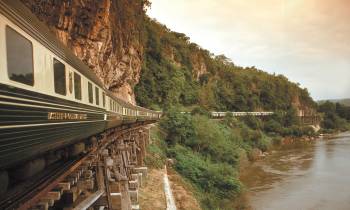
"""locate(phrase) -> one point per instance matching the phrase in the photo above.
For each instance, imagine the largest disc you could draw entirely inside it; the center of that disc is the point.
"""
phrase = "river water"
(309, 177)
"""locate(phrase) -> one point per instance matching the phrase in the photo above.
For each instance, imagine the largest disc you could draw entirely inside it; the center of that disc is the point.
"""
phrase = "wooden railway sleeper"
(117, 155)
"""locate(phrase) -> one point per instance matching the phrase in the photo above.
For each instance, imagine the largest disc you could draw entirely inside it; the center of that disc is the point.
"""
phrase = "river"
(312, 177)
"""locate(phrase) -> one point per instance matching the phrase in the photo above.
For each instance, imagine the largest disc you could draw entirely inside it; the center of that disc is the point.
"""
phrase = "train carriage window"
(103, 99)
(77, 86)
(90, 92)
(59, 71)
(97, 94)
(19, 57)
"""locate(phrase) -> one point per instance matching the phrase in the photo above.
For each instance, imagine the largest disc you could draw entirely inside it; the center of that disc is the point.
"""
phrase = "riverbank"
(285, 142)
(309, 177)
(209, 154)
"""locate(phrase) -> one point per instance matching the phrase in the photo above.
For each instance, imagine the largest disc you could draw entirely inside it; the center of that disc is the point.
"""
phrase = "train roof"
(17, 12)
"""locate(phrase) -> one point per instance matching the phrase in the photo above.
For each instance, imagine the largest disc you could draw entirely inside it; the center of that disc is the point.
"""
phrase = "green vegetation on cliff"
(178, 72)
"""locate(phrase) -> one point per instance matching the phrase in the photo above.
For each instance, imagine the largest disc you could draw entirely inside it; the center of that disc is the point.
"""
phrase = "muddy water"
(312, 177)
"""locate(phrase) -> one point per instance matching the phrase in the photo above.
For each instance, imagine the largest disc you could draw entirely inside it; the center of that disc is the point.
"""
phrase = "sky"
(306, 40)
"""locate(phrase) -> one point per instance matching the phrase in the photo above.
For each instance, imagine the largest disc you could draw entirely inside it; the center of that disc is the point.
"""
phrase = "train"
(240, 114)
(49, 98)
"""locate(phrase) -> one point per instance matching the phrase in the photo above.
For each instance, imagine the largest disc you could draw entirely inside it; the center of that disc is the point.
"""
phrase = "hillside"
(345, 101)
(178, 72)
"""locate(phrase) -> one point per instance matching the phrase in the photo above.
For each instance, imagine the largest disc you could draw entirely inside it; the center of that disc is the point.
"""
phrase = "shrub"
(272, 126)
(156, 152)
(179, 127)
(216, 181)
(253, 122)
(200, 111)
(264, 143)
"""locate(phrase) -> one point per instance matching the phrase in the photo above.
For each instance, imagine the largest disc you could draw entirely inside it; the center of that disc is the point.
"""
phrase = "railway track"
(75, 183)
(46, 188)
(22, 193)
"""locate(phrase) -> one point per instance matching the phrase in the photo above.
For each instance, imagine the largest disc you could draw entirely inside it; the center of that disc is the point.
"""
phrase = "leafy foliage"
(179, 127)
(156, 155)
(163, 82)
(336, 116)
(216, 180)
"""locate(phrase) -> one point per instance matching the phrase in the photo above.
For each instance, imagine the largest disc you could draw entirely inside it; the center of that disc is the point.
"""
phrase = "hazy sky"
(306, 40)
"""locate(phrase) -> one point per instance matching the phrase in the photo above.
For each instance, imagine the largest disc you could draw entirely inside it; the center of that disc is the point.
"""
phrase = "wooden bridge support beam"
(123, 160)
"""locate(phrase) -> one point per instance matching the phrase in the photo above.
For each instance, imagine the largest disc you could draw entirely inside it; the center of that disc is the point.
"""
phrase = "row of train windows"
(20, 68)
(114, 106)
(97, 95)
(60, 84)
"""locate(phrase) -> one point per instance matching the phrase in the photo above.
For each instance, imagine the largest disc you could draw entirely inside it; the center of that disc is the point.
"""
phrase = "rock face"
(302, 109)
(199, 65)
(104, 34)
(197, 59)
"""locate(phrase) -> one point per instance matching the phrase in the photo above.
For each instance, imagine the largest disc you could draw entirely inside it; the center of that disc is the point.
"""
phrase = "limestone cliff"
(199, 65)
(105, 34)
(197, 60)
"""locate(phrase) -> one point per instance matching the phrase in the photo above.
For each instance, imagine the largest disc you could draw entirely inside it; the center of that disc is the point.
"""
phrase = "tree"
(179, 127)
(327, 107)
(291, 117)
(273, 126)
